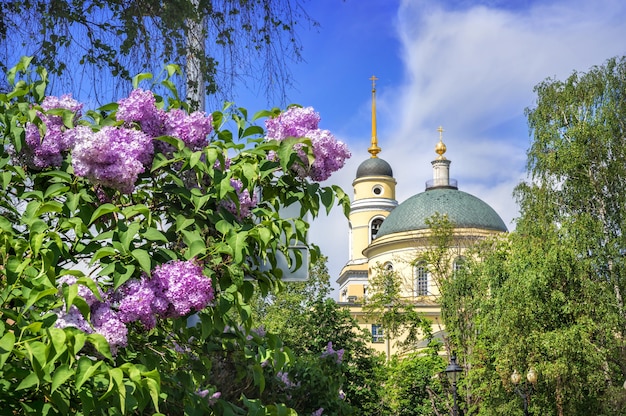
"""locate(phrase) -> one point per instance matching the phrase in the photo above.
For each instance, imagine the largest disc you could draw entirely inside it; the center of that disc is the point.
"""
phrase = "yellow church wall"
(392, 346)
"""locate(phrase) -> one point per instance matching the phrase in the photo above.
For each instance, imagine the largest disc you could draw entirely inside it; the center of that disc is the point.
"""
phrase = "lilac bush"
(159, 225)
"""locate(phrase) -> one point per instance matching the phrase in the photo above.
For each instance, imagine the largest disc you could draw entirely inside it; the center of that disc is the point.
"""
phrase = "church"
(387, 235)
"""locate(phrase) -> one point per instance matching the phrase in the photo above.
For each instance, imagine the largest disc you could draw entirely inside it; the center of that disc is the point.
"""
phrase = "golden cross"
(440, 130)
(374, 79)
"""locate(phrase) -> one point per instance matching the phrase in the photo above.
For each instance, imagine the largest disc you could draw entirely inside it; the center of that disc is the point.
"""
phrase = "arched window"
(420, 280)
(458, 263)
(388, 266)
(375, 226)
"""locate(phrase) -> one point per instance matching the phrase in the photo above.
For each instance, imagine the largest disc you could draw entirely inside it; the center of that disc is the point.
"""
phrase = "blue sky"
(469, 66)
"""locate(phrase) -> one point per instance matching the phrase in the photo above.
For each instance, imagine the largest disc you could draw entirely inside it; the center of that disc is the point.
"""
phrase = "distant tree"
(307, 321)
(229, 41)
(550, 296)
(397, 314)
(413, 387)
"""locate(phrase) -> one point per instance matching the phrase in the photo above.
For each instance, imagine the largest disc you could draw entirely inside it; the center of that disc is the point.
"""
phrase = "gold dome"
(440, 149)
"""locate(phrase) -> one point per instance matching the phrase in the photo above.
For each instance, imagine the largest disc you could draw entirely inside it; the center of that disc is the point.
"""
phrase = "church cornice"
(373, 204)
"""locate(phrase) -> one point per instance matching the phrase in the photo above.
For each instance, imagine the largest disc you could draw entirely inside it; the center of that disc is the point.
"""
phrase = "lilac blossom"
(108, 323)
(104, 320)
(212, 399)
(175, 289)
(331, 352)
(330, 154)
(138, 302)
(72, 318)
(140, 107)
(284, 378)
(294, 122)
(48, 150)
(113, 157)
(247, 201)
(184, 286)
(192, 129)
(318, 412)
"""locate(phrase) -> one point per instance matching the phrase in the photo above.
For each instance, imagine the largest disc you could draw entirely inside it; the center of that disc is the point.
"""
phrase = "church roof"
(464, 211)
(374, 166)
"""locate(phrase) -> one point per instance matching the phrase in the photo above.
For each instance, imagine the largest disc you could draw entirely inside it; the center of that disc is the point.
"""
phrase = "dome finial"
(440, 149)
(374, 149)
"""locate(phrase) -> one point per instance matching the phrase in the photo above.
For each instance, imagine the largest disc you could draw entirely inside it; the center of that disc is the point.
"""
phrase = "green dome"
(374, 166)
(464, 211)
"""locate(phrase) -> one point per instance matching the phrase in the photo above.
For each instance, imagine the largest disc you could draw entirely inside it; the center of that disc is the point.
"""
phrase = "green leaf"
(153, 382)
(28, 382)
(238, 244)
(194, 242)
(194, 158)
(6, 179)
(144, 259)
(36, 352)
(103, 252)
(152, 234)
(127, 237)
(253, 130)
(40, 295)
(103, 210)
(86, 369)
(140, 77)
(122, 273)
(133, 210)
(182, 223)
(61, 375)
(6, 346)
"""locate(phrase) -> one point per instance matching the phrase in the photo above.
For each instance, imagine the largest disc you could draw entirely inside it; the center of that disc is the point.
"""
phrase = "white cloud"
(473, 71)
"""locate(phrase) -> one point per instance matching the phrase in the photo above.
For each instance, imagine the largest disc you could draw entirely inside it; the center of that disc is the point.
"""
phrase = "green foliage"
(307, 321)
(550, 296)
(54, 224)
(414, 384)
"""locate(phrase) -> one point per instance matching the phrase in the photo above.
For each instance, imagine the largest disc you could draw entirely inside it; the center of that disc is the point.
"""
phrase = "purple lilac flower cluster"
(247, 201)
(330, 154)
(104, 320)
(212, 399)
(331, 352)
(113, 157)
(140, 107)
(176, 288)
(284, 378)
(48, 151)
(318, 412)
